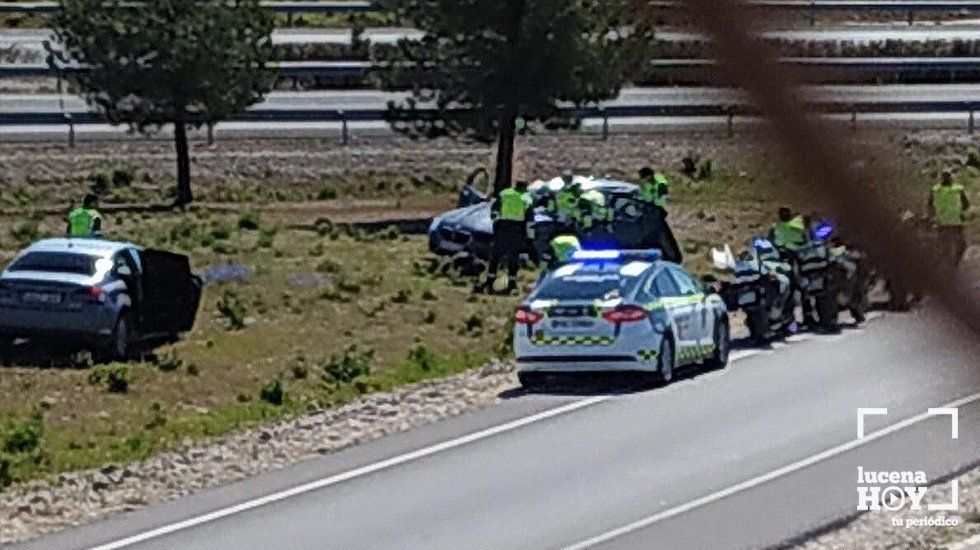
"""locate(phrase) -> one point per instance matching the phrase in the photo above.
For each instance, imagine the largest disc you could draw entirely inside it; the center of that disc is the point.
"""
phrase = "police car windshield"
(603, 281)
(55, 262)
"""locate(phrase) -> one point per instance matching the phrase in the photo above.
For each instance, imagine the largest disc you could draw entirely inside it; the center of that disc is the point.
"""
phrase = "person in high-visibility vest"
(789, 233)
(948, 205)
(654, 187)
(85, 221)
(564, 204)
(592, 210)
(511, 212)
(563, 246)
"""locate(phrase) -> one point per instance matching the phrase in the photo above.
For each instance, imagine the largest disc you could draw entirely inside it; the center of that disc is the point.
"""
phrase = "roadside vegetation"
(306, 309)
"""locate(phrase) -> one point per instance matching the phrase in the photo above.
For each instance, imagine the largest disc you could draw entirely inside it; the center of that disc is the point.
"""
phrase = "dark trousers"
(508, 241)
(952, 242)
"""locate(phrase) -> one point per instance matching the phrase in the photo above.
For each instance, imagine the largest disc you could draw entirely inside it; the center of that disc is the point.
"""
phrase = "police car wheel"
(529, 380)
(665, 362)
(121, 343)
(722, 341)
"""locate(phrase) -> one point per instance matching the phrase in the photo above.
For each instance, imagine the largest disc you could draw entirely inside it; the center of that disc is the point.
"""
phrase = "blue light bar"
(586, 255)
(823, 230)
(651, 255)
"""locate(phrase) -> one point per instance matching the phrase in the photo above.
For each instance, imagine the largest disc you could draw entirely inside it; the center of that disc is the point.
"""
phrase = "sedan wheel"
(120, 346)
(723, 344)
(665, 363)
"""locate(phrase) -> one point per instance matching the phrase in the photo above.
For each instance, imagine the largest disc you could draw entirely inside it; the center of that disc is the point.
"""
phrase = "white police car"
(612, 310)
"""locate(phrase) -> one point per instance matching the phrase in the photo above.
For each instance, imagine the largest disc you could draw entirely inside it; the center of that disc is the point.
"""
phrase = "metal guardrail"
(618, 111)
(808, 5)
(342, 69)
(279, 7)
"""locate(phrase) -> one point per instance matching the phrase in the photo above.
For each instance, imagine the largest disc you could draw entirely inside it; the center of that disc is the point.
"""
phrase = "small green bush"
(327, 192)
(233, 309)
(705, 169)
(158, 417)
(323, 227)
(267, 237)
(422, 357)
(193, 369)
(272, 392)
(23, 436)
(249, 221)
(429, 317)
(349, 365)
(402, 296)
(973, 157)
(474, 323)
(349, 286)
(26, 232)
(116, 378)
(168, 361)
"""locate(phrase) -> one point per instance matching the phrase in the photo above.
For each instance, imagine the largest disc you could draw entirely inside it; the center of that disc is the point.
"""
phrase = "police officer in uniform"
(85, 221)
(511, 212)
(654, 188)
(789, 232)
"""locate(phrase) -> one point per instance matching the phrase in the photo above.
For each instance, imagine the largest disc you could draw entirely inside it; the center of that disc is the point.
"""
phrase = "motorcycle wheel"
(757, 322)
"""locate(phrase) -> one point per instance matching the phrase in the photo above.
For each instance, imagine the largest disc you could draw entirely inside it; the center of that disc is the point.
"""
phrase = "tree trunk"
(505, 149)
(184, 194)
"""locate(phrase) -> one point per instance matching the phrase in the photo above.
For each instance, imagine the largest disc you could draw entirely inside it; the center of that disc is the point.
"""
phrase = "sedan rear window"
(55, 262)
(588, 282)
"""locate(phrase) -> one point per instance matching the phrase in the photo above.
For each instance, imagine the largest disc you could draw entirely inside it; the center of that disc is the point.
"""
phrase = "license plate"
(41, 298)
(572, 324)
(746, 298)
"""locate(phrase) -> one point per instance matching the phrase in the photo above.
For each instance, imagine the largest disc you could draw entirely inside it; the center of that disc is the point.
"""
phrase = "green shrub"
(168, 361)
(233, 309)
(973, 157)
(220, 233)
(158, 417)
(422, 357)
(272, 392)
(298, 368)
(317, 250)
(26, 232)
(327, 192)
(249, 221)
(329, 266)
(349, 365)
(23, 436)
(323, 227)
(122, 176)
(402, 296)
(116, 378)
(192, 369)
(474, 323)
(267, 237)
(429, 317)
(349, 286)
(705, 169)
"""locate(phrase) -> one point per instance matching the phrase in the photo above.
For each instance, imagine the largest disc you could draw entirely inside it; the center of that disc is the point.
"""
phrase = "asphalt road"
(749, 456)
(31, 38)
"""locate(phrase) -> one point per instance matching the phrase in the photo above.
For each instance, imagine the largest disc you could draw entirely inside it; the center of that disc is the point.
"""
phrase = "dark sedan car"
(636, 225)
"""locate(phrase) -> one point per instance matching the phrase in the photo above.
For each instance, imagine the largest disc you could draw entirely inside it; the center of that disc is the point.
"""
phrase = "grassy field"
(326, 311)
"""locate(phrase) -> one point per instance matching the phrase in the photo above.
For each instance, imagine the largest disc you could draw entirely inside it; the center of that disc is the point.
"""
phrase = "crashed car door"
(171, 293)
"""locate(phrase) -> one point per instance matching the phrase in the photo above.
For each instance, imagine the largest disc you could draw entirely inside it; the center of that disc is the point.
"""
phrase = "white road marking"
(358, 472)
(762, 479)
(376, 467)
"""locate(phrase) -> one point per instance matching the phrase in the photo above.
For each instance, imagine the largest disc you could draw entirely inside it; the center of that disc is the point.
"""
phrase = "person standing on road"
(85, 221)
(948, 205)
(654, 187)
(510, 212)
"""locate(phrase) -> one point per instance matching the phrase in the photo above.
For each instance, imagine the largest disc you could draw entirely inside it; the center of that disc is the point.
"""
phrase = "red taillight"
(95, 292)
(527, 316)
(625, 314)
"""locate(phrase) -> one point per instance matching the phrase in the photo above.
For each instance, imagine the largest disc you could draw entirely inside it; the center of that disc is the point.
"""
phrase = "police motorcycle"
(760, 287)
(813, 278)
(849, 278)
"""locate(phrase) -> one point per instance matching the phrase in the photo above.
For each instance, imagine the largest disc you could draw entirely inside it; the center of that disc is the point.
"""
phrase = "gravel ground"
(40, 507)
(875, 531)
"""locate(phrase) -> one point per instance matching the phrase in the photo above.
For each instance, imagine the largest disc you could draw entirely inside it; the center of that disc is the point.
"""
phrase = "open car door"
(171, 293)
